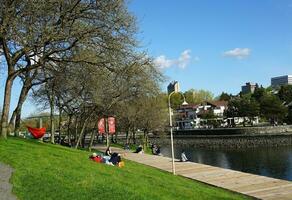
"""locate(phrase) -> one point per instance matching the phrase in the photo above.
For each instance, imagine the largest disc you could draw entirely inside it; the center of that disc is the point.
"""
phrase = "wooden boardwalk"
(260, 187)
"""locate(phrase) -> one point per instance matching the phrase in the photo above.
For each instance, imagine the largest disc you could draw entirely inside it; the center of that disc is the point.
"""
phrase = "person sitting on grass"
(139, 149)
(183, 157)
(107, 155)
(108, 151)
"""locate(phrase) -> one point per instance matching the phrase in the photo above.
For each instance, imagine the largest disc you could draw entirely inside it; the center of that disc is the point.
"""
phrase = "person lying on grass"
(94, 157)
(114, 160)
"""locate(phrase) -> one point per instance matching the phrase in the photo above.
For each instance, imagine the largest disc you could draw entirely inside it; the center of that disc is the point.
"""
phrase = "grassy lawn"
(45, 171)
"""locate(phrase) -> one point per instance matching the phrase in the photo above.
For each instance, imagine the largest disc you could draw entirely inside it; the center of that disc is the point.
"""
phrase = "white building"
(218, 107)
(190, 116)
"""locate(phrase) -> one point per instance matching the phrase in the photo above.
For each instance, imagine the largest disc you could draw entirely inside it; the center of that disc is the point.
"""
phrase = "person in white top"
(183, 157)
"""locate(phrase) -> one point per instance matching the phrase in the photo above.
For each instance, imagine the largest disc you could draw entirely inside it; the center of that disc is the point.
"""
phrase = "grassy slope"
(44, 171)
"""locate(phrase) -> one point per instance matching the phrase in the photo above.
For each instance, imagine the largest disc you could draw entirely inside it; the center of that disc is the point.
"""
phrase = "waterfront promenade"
(260, 187)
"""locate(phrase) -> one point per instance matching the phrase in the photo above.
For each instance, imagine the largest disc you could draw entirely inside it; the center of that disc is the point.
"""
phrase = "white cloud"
(163, 62)
(182, 61)
(184, 58)
(239, 53)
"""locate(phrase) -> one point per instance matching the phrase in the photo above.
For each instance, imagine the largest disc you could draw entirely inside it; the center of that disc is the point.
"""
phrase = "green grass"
(45, 171)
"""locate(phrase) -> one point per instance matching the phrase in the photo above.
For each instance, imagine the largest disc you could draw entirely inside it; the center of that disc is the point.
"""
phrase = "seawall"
(231, 141)
(245, 137)
(266, 130)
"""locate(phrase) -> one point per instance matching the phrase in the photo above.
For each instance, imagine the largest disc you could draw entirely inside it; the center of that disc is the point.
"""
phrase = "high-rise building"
(281, 80)
(248, 88)
(173, 86)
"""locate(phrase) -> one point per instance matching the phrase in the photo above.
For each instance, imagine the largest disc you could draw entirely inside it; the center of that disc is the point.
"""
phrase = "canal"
(273, 162)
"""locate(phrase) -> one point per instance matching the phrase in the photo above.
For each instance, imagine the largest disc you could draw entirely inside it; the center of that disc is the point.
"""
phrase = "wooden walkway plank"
(260, 184)
(244, 178)
(249, 184)
(254, 187)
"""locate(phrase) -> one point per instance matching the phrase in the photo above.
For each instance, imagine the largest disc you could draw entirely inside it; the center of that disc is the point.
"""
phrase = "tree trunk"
(60, 122)
(116, 138)
(6, 107)
(68, 130)
(81, 133)
(17, 123)
(102, 138)
(76, 130)
(145, 140)
(112, 138)
(91, 140)
(127, 137)
(107, 133)
(134, 137)
(83, 141)
(52, 106)
(16, 115)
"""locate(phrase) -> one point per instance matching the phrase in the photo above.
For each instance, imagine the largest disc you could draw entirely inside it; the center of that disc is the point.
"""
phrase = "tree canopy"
(198, 96)
(285, 93)
(272, 108)
(83, 54)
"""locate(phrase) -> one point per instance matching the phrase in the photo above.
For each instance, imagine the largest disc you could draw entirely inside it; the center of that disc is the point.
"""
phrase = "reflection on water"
(274, 162)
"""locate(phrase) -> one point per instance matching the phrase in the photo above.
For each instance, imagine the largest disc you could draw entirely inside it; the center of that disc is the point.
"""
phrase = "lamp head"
(184, 103)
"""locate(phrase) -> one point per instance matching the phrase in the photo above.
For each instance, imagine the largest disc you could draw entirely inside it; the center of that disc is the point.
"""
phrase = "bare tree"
(48, 30)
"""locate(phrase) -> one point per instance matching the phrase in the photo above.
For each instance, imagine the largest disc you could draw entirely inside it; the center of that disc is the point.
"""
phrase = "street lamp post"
(171, 131)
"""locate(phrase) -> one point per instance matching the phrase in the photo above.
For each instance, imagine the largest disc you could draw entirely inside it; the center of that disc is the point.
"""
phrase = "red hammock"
(37, 132)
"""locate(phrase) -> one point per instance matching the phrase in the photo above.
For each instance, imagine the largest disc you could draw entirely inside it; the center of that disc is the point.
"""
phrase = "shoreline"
(260, 130)
(227, 141)
(242, 137)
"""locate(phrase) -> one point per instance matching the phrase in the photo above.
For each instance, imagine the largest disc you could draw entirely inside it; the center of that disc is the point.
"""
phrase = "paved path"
(5, 186)
(260, 187)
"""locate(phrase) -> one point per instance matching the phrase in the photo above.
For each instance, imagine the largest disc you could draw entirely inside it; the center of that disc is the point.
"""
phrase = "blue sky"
(209, 44)
(217, 45)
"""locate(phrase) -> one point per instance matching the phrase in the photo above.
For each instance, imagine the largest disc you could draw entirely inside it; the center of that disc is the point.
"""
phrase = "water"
(273, 162)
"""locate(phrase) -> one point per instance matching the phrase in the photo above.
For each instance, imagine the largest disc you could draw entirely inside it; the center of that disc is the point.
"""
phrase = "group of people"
(109, 158)
(115, 159)
(156, 151)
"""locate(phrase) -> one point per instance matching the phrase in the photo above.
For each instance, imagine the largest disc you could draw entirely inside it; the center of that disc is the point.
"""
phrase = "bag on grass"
(121, 164)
